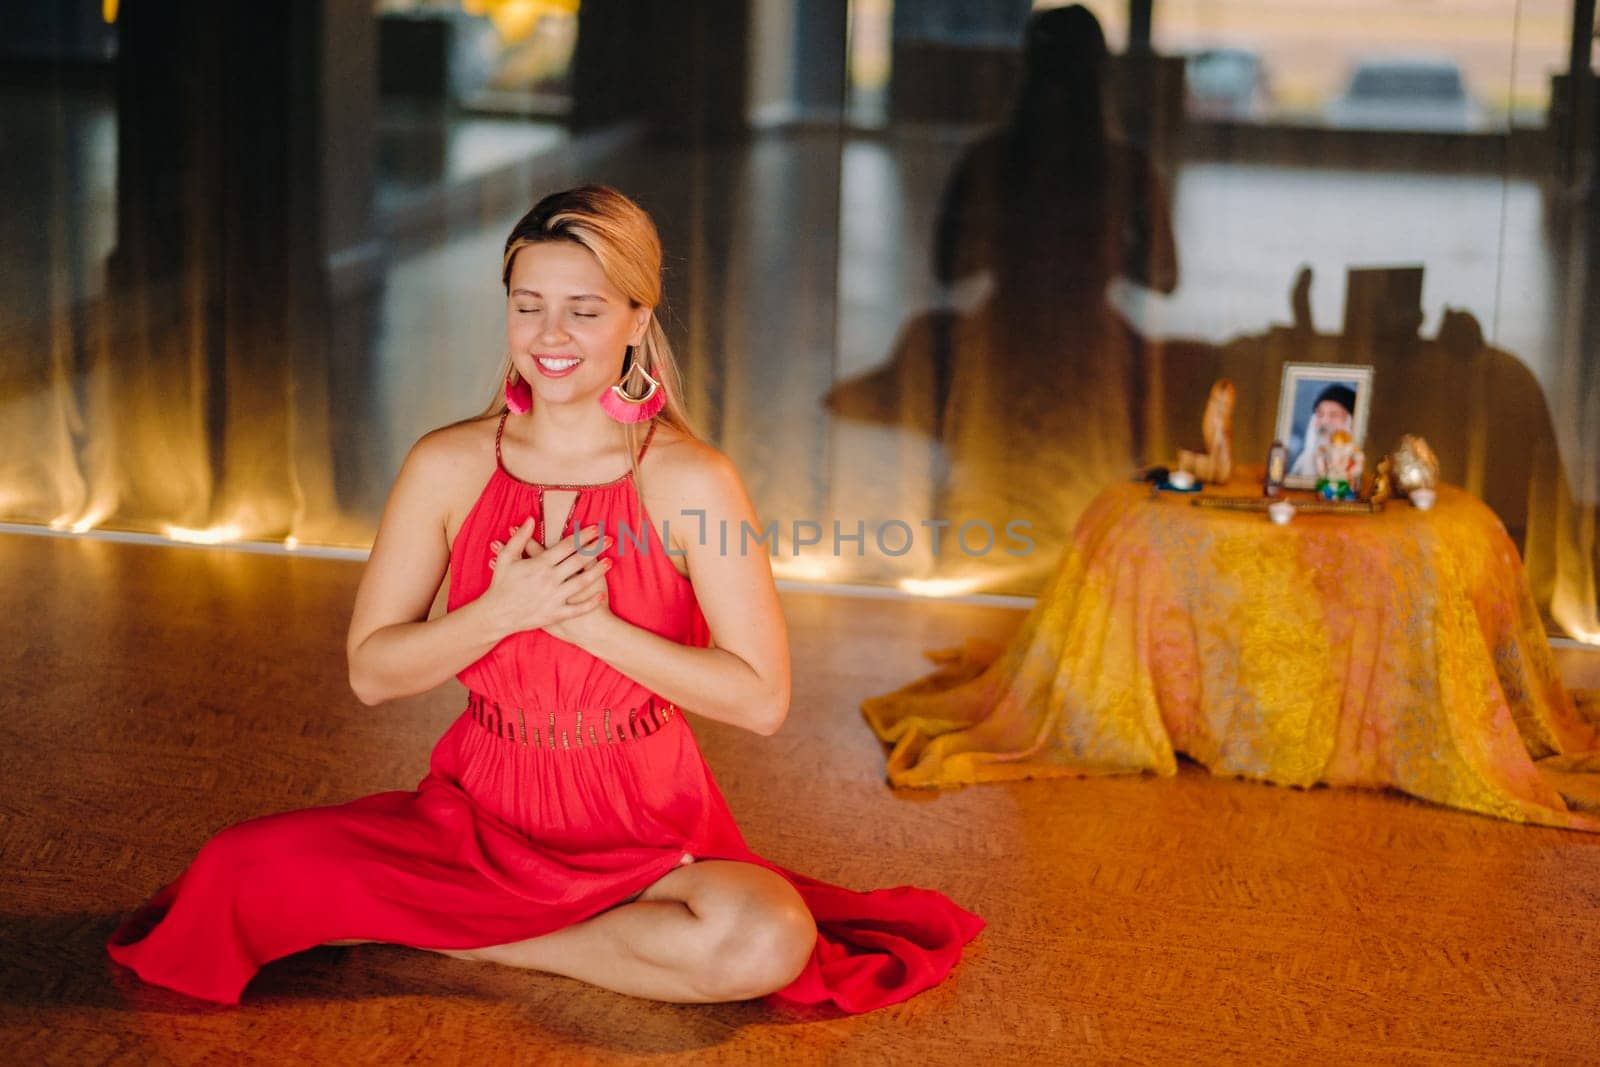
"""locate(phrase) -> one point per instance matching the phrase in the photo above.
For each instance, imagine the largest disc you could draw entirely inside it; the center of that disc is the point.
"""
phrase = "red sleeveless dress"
(565, 788)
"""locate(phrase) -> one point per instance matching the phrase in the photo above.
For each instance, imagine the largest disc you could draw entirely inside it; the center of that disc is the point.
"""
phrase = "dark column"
(1572, 105)
(1141, 17)
(680, 67)
(822, 39)
(1585, 156)
(1149, 87)
(953, 61)
(245, 227)
(607, 63)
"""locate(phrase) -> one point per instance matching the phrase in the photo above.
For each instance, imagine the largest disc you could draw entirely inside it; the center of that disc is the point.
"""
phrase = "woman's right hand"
(534, 586)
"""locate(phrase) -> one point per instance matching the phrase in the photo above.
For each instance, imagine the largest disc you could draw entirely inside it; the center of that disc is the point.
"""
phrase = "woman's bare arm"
(393, 649)
(1151, 259)
(1163, 277)
(744, 678)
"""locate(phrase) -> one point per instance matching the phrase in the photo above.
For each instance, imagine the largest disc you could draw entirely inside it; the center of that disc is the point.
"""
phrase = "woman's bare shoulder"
(696, 492)
(444, 473)
(450, 452)
(687, 468)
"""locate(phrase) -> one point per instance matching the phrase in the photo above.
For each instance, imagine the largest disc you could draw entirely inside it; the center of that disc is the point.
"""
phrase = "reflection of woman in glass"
(568, 822)
(1050, 208)
(1052, 203)
(1334, 409)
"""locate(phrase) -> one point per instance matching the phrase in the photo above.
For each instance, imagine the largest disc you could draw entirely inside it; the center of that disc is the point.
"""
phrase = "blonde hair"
(622, 238)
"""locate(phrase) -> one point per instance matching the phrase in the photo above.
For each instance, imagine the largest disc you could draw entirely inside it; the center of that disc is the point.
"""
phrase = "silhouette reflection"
(1048, 209)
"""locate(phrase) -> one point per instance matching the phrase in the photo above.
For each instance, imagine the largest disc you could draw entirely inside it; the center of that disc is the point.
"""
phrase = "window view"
(467, 88)
(512, 56)
(1440, 65)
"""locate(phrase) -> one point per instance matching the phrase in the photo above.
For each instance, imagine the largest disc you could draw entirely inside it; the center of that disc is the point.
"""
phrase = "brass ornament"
(1415, 465)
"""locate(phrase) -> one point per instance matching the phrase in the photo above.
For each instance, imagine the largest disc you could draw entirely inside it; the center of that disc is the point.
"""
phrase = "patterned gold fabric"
(1401, 649)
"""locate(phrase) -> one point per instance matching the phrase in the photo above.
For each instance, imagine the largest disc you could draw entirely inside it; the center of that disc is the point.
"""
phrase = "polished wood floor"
(155, 695)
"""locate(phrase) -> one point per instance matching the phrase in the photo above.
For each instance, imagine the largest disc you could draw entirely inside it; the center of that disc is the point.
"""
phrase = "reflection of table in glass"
(1398, 649)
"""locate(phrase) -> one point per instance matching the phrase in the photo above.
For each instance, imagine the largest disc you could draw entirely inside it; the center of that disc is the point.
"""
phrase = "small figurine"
(1216, 463)
(1277, 470)
(1339, 467)
(1415, 465)
(1381, 488)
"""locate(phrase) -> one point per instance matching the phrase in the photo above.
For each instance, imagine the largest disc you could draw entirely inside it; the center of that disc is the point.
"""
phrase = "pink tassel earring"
(519, 394)
(623, 407)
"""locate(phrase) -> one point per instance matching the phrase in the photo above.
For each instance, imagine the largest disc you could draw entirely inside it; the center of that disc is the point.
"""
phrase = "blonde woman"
(568, 823)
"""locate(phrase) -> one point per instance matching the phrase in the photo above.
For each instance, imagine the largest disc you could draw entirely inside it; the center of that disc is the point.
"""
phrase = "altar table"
(1398, 649)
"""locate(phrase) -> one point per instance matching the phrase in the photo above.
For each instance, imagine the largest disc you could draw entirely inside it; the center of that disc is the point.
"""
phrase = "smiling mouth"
(557, 364)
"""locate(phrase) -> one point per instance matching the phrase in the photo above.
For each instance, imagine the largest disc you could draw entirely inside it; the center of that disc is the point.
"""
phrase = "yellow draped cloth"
(1400, 649)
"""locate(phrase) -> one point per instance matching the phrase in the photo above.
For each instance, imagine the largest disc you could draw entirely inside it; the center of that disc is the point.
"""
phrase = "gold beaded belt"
(511, 724)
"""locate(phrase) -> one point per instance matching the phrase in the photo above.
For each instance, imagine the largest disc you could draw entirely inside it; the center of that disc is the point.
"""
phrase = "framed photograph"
(1315, 401)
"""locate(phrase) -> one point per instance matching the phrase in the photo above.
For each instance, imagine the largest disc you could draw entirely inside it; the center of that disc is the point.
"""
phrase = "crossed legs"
(710, 931)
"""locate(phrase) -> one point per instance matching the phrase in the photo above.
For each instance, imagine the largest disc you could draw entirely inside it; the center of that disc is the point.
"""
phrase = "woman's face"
(567, 326)
(1330, 416)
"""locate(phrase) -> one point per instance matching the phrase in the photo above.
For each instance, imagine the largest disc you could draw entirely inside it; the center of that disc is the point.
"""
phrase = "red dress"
(564, 789)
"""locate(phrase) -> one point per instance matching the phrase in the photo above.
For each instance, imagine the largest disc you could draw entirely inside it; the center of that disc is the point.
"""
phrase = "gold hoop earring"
(627, 407)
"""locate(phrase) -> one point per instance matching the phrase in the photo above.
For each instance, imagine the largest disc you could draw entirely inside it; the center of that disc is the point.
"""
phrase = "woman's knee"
(762, 935)
(265, 853)
(230, 849)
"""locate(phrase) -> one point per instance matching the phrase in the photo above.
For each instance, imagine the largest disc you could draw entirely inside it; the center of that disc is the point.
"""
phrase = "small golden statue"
(1381, 487)
(1215, 464)
(1415, 465)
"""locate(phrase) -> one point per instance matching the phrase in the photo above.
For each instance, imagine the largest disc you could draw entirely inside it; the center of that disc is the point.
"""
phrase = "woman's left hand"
(582, 629)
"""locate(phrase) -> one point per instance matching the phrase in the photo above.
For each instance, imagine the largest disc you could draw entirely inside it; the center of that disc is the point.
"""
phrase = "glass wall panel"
(1416, 160)
(1046, 266)
(936, 272)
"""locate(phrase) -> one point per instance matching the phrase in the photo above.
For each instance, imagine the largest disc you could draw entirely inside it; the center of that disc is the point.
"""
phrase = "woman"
(568, 822)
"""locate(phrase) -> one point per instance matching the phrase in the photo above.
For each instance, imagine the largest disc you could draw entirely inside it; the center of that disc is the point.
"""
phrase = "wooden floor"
(155, 695)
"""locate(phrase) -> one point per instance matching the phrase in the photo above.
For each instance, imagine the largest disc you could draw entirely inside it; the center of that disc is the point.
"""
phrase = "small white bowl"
(1280, 512)
(1181, 480)
(1422, 499)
